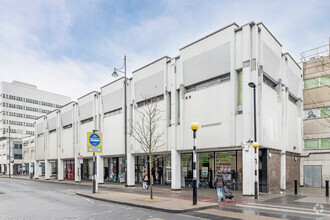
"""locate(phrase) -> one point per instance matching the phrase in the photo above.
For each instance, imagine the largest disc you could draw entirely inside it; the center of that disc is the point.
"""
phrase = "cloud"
(71, 47)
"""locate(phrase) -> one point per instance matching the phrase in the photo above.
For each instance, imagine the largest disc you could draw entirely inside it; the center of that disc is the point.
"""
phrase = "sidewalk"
(317, 195)
(168, 204)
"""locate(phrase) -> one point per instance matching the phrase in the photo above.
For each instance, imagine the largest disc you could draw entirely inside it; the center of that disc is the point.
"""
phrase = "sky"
(71, 47)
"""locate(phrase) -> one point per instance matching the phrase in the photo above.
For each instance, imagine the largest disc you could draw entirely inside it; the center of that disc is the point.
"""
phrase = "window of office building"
(325, 143)
(317, 143)
(316, 82)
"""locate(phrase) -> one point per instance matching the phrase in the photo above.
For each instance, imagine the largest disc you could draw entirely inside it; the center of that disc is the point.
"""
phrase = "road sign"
(94, 142)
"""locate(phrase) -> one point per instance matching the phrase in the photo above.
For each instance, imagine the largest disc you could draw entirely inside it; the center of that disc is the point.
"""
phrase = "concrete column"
(37, 168)
(11, 168)
(100, 168)
(283, 170)
(48, 168)
(31, 167)
(77, 171)
(60, 169)
(2, 168)
(176, 170)
(248, 169)
(40, 169)
(130, 170)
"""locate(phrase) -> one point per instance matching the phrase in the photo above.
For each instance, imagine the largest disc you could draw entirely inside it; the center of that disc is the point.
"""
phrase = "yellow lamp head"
(194, 126)
(255, 144)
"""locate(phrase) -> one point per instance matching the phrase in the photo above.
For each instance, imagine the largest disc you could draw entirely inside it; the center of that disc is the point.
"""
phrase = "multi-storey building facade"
(208, 83)
(315, 160)
(20, 105)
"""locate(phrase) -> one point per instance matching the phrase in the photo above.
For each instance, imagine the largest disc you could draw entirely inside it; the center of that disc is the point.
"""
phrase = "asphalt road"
(23, 199)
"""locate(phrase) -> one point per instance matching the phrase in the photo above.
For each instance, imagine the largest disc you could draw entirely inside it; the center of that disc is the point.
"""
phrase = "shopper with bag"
(219, 182)
(145, 180)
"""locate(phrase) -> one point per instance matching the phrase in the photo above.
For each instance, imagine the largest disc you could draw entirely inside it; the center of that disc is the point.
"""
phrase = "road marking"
(287, 207)
(230, 214)
(90, 201)
(282, 209)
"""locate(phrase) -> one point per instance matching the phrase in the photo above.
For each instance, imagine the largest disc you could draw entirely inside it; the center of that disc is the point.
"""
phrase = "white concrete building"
(208, 83)
(20, 105)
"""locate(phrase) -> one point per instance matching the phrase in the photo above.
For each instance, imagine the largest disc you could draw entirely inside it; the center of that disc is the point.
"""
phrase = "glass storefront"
(69, 171)
(206, 170)
(186, 170)
(85, 169)
(229, 163)
(114, 169)
(53, 165)
(160, 171)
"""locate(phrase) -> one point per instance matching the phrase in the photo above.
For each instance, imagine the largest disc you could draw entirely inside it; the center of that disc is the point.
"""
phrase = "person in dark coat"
(219, 182)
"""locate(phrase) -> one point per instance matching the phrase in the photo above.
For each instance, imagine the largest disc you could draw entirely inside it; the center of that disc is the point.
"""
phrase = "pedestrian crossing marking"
(281, 209)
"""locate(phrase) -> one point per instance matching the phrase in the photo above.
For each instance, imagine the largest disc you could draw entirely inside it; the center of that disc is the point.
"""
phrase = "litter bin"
(31, 175)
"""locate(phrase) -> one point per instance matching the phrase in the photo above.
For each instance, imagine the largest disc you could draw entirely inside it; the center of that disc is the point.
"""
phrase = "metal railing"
(315, 54)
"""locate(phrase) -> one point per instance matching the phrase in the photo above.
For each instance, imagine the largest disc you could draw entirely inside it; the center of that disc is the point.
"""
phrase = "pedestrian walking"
(219, 182)
(145, 181)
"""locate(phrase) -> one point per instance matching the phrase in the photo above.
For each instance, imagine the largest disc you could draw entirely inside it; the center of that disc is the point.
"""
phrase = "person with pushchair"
(219, 183)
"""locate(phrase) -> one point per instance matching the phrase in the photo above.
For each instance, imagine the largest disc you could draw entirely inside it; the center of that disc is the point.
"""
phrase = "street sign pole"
(94, 179)
(94, 145)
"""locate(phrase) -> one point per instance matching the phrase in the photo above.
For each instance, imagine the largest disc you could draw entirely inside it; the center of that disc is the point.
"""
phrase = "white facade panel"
(40, 147)
(67, 143)
(207, 107)
(52, 146)
(207, 65)
(113, 136)
(150, 86)
(84, 128)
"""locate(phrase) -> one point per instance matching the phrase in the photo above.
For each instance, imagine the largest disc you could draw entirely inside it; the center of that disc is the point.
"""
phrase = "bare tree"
(146, 130)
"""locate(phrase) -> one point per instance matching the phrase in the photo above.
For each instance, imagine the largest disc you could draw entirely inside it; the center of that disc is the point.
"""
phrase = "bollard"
(327, 188)
(296, 187)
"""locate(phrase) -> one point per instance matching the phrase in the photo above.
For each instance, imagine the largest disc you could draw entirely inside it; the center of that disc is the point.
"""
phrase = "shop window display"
(206, 170)
(186, 170)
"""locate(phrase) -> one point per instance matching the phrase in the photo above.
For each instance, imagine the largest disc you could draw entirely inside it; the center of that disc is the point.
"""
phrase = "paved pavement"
(168, 204)
(23, 199)
(309, 204)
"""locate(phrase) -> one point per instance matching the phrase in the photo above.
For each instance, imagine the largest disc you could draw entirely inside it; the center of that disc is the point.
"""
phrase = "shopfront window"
(106, 169)
(121, 170)
(69, 171)
(168, 172)
(160, 170)
(230, 164)
(140, 167)
(186, 170)
(113, 169)
(206, 170)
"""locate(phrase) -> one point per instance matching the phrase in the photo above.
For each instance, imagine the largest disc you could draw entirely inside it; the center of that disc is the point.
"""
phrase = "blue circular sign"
(94, 140)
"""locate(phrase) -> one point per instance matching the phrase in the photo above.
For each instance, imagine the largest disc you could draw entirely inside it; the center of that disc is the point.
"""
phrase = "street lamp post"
(255, 144)
(194, 126)
(115, 74)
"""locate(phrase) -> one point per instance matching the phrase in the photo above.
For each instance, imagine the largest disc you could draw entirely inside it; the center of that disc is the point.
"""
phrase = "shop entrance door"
(113, 169)
(263, 174)
(84, 170)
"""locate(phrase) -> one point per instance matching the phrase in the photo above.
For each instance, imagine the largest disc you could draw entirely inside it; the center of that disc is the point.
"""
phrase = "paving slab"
(171, 205)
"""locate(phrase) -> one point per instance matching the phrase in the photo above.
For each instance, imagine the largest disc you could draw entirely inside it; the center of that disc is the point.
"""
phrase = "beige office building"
(315, 158)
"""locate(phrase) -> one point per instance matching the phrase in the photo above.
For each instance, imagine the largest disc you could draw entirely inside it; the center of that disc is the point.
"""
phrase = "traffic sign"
(94, 142)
